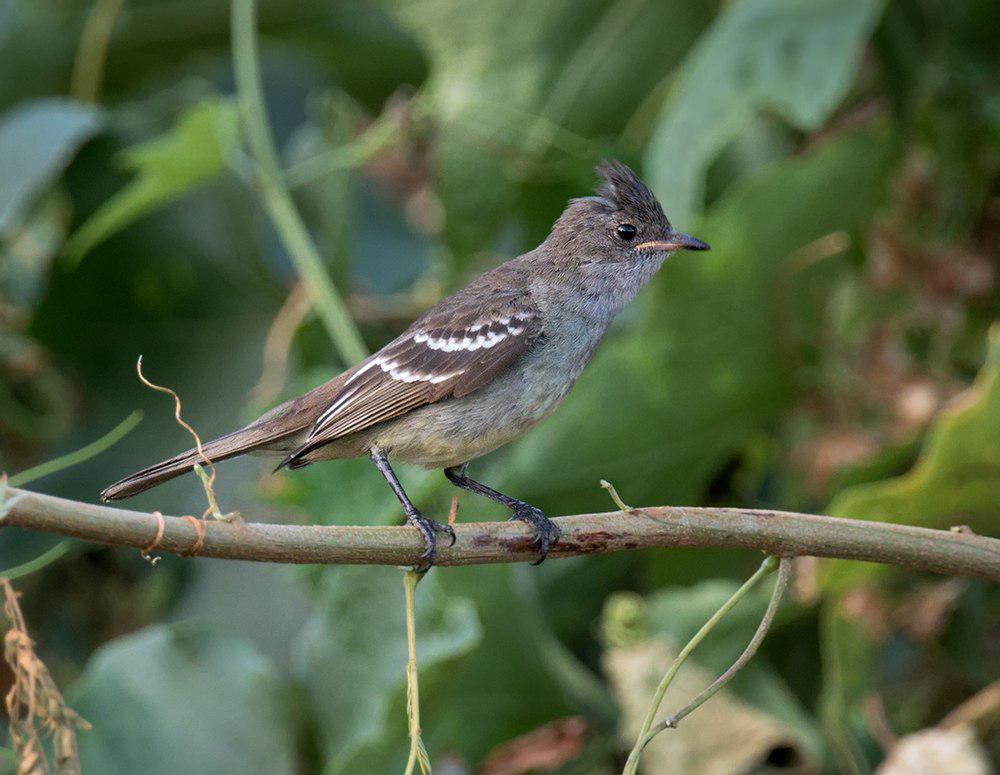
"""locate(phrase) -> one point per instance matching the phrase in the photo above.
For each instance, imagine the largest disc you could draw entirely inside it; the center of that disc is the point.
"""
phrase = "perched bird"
(479, 369)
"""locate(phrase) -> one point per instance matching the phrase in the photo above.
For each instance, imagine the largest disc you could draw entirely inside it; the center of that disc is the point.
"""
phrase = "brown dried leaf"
(544, 749)
(954, 751)
(34, 704)
(726, 736)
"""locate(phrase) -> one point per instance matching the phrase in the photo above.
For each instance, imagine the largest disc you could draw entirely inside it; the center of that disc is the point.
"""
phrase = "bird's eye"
(627, 232)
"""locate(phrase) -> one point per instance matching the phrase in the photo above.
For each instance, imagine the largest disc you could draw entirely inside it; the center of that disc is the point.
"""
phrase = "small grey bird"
(479, 369)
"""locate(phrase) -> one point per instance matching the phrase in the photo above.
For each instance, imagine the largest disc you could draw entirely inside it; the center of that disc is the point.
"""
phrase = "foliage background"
(840, 156)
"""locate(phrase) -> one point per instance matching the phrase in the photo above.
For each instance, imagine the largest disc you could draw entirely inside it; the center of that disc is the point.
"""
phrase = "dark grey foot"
(429, 529)
(547, 532)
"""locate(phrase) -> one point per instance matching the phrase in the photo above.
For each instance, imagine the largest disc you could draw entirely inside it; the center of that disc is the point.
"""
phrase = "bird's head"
(622, 223)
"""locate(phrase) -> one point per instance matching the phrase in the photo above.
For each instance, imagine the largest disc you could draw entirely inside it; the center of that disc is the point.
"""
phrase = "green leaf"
(956, 479)
(26, 252)
(351, 657)
(795, 58)
(511, 80)
(37, 140)
(180, 699)
(196, 150)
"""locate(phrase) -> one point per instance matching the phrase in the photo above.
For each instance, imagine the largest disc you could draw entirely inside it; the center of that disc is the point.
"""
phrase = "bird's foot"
(547, 532)
(429, 529)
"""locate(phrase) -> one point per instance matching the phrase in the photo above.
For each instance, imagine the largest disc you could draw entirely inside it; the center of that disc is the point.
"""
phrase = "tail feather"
(220, 449)
(274, 431)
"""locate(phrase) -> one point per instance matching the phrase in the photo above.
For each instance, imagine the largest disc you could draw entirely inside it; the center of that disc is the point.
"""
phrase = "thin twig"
(278, 343)
(278, 202)
(616, 497)
(782, 533)
(109, 439)
(767, 567)
(780, 585)
(41, 561)
(418, 754)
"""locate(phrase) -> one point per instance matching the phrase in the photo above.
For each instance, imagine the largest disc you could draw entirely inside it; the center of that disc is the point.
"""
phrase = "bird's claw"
(429, 529)
(547, 532)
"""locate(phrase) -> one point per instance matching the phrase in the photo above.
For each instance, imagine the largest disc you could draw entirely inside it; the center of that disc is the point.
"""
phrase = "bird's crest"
(625, 189)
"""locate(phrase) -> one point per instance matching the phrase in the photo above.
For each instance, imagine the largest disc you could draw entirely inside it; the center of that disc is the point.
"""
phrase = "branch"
(776, 532)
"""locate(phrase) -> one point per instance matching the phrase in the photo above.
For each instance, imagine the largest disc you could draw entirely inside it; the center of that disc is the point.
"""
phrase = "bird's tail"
(223, 448)
(276, 431)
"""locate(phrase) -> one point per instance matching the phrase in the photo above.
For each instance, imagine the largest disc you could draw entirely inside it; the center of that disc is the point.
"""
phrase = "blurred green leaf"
(511, 79)
(26, 252)
(351, 656)
(797, 59)
(197, 149)
(178, 699)
(955, 481)
(37, 140)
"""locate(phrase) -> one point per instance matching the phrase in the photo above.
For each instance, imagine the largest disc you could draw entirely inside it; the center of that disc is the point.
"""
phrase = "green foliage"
(199, 147)
(349, 656)
(840, 158)
(955, 480)
(957, 477)
(37, 140)
(796, 59)
(180, 699)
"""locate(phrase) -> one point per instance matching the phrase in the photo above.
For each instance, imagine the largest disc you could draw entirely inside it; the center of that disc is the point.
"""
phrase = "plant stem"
(41, 561)
(784, 576)
(766, 567)
(782, 533)
(380, 134)
(78, 456)
(418, 754)
(88, 69)
(277, 201)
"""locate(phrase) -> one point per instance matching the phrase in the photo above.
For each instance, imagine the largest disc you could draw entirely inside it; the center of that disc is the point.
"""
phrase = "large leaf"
(795, 58)
(179, 699)
(351, 656)
(509, 78)
(197, 149)
(37, 141)
(955, 481)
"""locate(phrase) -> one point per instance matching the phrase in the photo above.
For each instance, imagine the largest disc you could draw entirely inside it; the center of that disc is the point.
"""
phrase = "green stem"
(784, 576)
(767, 567)
(73, 458)
(41, 561)
(278, 202)
(418, 754)
(380, 134)
(88, 69)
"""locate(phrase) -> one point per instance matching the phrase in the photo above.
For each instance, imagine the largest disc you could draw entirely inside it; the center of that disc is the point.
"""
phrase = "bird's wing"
(447, 353)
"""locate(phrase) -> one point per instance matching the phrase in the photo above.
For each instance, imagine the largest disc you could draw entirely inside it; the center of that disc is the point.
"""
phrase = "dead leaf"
(725, 736)
(544, 749)
(954, 751)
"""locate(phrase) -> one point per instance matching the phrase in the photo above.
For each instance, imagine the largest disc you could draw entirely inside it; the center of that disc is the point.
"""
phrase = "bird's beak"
(676, 241)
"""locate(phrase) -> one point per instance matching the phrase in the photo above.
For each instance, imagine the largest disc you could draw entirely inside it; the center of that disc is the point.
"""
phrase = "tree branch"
(775, 532)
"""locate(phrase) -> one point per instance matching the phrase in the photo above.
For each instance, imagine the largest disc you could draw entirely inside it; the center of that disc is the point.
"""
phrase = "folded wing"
(445, 354)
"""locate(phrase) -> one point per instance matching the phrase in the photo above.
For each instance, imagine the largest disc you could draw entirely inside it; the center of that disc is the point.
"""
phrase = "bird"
(477, 370)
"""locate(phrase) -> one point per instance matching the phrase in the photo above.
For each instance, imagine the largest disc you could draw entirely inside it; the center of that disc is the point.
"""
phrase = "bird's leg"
(546, 531)
(428, 527)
